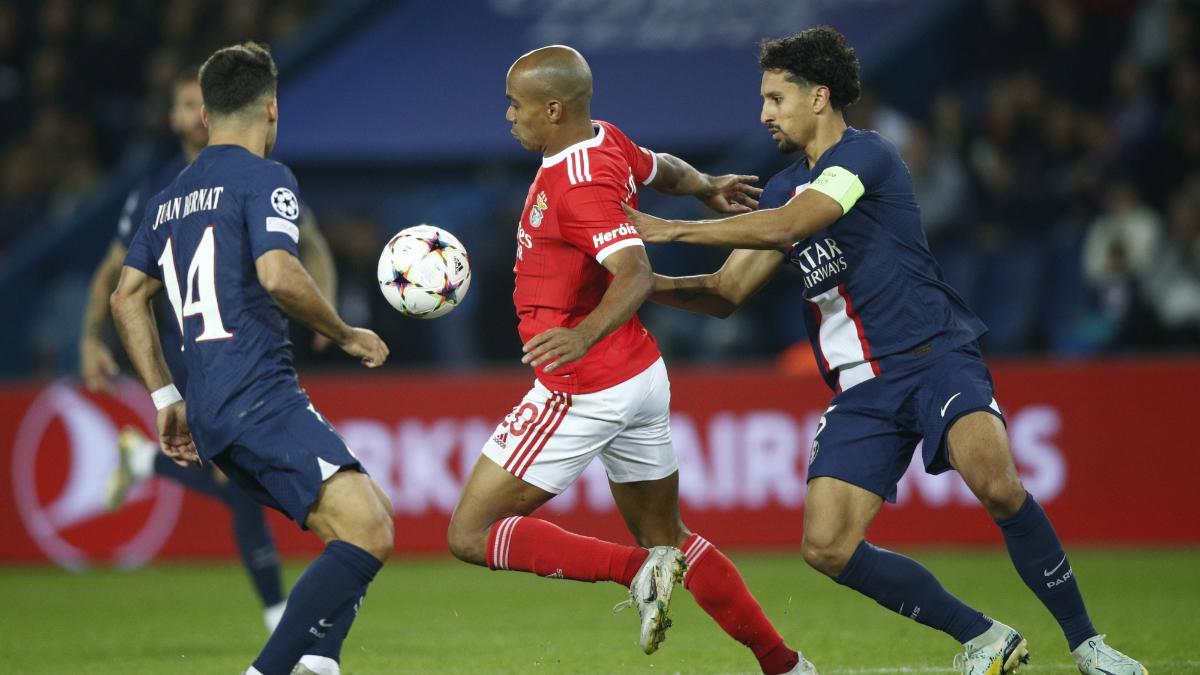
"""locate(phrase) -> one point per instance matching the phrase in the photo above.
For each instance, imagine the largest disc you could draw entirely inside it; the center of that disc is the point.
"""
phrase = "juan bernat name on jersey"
(204, 199)
(819, 260)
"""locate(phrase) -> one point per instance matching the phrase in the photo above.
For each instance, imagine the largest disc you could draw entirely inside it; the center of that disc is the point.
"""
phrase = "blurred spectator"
(1123, 239)
(1173, 283)
(940, 182)
(88, 80)
(1119, 255)
(872, 112)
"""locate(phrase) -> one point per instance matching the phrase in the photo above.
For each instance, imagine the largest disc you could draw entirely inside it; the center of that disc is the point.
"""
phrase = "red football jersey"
(571, 222)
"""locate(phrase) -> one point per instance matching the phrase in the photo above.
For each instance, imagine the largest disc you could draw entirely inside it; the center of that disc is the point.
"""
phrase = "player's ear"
(204, 115)
(273, 110)
(554, 111)
(820, 98)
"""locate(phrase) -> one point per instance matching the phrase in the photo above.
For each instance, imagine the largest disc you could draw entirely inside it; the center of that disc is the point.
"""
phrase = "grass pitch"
(439, 616)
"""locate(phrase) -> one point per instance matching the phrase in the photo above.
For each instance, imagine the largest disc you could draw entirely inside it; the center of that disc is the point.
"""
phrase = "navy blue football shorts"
(283, 460)
(867, 435)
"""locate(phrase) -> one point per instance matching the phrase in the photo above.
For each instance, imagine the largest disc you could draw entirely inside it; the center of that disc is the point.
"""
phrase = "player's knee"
(1002, 496)
(825, 554)
(466, 543)
(378, 536)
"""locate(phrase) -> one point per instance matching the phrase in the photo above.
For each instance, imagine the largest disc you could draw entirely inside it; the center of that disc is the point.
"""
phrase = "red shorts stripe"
(530, 430)
(562, 414)
(527, 444)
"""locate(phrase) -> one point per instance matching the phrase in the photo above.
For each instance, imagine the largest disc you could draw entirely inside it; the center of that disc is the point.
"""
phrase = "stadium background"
(1055, 147)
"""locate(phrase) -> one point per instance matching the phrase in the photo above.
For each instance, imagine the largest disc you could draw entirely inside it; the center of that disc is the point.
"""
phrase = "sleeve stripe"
(653, 167)
(616, 246)
(285, 226)
(841, 185)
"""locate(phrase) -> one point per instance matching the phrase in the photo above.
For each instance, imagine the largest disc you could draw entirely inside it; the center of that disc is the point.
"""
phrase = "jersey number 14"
(201, 288)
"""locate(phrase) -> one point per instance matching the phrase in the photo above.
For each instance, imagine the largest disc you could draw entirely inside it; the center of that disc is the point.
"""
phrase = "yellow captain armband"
(844, 187)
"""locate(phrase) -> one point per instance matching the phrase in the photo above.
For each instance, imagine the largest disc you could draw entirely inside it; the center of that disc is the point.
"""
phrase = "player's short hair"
(234, 77)
(819, 56)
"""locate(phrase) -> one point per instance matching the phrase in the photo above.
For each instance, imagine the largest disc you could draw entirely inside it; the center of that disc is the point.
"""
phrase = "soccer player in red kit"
(601, 388)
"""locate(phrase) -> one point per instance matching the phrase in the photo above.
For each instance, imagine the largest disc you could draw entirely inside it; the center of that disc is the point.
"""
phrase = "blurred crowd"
(1056, 161)
(74, 83)
(1059, 174)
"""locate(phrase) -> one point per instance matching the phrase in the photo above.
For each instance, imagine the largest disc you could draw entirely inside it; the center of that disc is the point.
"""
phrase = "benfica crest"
(538, 210)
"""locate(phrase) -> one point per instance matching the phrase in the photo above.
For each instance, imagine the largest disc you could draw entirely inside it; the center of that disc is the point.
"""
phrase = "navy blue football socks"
(904, 586)
(320, 600)
(1043, 566)
(330, 646)
(255, 544)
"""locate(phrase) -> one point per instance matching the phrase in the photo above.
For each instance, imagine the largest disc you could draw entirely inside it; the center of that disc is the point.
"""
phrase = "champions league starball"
(424, 272)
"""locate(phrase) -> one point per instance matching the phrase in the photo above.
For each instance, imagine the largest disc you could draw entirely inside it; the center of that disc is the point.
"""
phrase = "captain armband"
(842, 186)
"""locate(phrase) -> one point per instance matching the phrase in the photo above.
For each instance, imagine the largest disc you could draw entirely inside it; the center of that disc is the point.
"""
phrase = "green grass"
(436, 616)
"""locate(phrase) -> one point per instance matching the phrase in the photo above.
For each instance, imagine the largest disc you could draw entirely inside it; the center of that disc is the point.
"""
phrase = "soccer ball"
(424, 272)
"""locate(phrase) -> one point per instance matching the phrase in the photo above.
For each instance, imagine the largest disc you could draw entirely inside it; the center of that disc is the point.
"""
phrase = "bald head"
(554, 73)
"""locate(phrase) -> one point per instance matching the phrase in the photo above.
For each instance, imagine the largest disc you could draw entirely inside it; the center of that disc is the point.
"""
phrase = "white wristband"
(167, 396)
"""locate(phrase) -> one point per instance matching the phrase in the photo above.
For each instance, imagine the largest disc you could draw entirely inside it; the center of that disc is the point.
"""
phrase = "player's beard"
(786, 145)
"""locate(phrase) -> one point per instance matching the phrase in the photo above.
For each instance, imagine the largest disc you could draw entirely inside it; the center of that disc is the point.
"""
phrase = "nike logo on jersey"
(324, 624)
(948, 403)
(1047, 573)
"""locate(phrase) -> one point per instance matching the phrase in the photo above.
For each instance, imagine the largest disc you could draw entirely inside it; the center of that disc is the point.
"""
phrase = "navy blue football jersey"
(876, 296)
(200, 237)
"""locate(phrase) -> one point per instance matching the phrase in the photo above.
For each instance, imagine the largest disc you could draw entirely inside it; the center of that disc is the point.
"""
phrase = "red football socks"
(533, 545)
(720, 591)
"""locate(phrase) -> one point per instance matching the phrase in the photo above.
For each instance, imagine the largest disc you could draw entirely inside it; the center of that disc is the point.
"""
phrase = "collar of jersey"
(589, 143)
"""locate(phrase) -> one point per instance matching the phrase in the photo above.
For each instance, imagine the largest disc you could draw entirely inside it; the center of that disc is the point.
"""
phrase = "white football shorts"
(551, 437)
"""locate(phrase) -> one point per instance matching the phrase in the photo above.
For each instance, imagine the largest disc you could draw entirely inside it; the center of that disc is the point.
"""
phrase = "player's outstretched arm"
(131, 312)
(631, 284)
(731, 193)
(97, 366)
(776, 228)
(284, 278)
(721, 293)
(316, 257)
(318, 260)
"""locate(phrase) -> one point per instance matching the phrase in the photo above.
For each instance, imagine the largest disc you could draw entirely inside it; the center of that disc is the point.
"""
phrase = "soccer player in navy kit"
(140, 457)
(221, 240)
(895, 343)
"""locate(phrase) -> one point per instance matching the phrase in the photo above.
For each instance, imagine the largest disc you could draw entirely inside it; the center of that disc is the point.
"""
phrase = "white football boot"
(651, 591)
(133, 467)
(803, 668)
(1096, 658)
(316, 665)
(999, 651)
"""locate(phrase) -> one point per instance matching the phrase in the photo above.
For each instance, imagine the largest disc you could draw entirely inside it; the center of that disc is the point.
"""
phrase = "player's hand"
(366, 345)
(653, 230)
(556, 347)
(174, 436)
(731, 193)
(97, 366)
